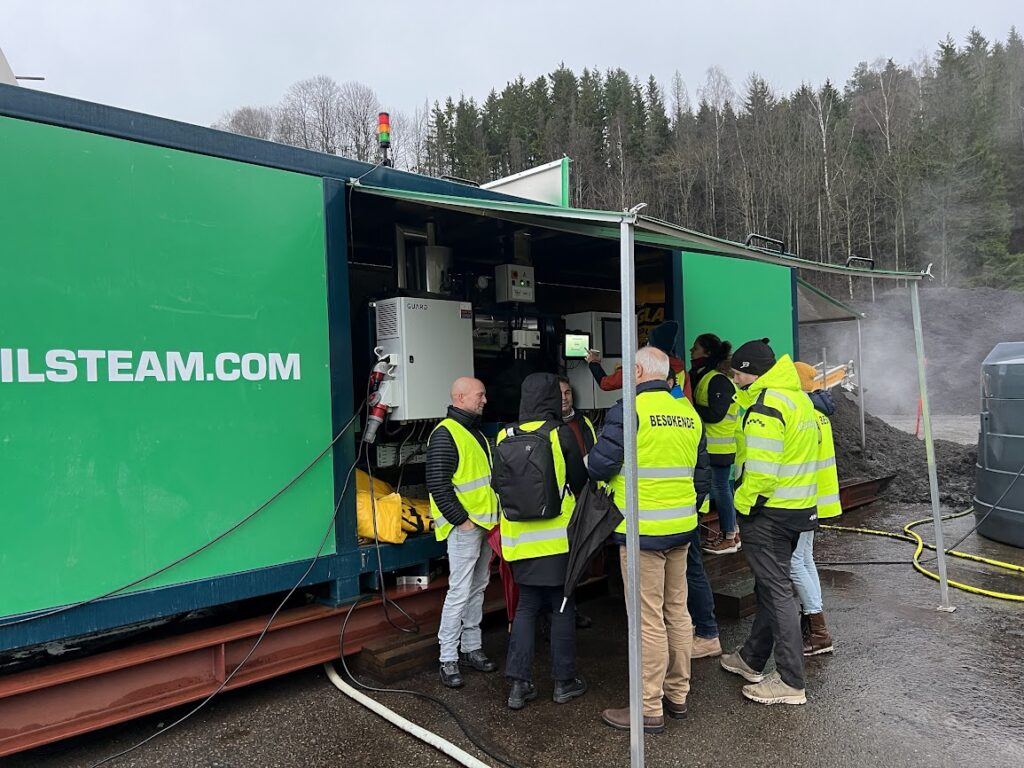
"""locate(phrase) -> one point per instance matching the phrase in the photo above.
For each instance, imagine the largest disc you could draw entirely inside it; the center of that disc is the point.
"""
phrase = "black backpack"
(524, 475)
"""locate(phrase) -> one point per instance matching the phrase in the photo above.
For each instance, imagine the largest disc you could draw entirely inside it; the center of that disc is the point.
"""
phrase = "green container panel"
(116, 464)
(738, 300)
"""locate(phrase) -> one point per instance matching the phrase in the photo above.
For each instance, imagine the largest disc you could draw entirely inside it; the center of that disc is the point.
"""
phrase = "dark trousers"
(534, 602)
(768, 543)
(700, 601)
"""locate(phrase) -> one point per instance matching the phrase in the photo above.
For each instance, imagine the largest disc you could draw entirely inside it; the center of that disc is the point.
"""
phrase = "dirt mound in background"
(892, 452)
(960, 326)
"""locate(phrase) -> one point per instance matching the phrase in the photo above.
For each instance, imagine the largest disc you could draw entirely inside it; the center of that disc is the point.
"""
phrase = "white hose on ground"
(428, 737)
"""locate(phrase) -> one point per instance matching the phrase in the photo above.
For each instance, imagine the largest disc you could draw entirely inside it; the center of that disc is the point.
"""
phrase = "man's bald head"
(469, 395)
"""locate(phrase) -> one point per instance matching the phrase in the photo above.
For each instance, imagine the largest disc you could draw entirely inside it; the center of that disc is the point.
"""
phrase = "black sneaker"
(521, 693)
(567, 690)
(478, 660)
(451, 676)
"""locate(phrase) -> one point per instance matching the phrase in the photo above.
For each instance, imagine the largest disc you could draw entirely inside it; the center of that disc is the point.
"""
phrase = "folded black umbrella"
(594, 518)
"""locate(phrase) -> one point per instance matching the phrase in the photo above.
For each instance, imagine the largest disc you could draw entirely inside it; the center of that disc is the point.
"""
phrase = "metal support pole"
(933, 480)
(860, 387)
(630, 504)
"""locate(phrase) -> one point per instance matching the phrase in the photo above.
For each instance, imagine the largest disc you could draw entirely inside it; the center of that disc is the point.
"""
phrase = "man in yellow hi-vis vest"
(464, 509)
(776, 501)
(669, 443)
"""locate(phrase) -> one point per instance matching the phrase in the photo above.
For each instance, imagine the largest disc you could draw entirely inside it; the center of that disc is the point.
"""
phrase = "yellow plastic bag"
(389, 516)
(416, 516)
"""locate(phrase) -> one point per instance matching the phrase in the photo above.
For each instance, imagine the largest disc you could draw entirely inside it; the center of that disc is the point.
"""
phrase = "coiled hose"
(909, 534)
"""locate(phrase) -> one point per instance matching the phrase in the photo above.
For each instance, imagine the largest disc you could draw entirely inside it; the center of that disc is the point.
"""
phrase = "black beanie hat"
(754, 357)
(663, 336)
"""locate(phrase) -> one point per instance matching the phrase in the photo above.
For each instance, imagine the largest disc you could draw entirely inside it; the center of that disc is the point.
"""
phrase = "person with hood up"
(817, 639)
(537, 552)
(776, 501)
(661, 337)
(670, 456)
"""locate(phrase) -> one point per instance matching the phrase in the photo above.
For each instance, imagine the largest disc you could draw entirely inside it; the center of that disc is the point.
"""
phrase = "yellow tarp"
(396, 517)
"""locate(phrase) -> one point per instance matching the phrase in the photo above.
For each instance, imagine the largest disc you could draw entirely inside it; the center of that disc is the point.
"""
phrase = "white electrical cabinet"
(605, 329)
(514, 282)
(430, 341)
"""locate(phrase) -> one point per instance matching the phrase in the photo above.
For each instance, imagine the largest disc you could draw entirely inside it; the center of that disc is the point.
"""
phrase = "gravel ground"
(907, 686)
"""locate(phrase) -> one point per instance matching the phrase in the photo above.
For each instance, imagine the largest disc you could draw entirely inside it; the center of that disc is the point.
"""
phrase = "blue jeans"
(805, 574)
(721, 493)
(469, 560)
(700, 601)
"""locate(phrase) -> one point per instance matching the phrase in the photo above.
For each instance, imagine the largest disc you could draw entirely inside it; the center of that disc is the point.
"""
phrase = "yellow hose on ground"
(909, 534)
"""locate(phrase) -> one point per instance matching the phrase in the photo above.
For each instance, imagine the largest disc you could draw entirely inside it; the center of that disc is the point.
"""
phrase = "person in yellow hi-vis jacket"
(534, 537)
(777, 501)
(464, 509)
(817, 639)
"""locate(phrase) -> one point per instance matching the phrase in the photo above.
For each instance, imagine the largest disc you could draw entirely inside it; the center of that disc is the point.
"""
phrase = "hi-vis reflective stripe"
(472, 485)
(832, 498)
(531, 537)
(490, 517)
(784, 398)
(667, 514)
(781, 470)
(730, 417)
(796, 492)
(826, 463)
(721, 440)
(767, 443)
(664, 472)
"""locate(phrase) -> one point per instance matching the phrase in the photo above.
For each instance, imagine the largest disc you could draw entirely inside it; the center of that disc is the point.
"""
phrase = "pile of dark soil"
(960, 327)
(892, 452)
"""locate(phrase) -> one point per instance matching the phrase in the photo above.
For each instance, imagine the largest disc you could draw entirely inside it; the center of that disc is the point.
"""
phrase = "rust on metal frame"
(56, 702)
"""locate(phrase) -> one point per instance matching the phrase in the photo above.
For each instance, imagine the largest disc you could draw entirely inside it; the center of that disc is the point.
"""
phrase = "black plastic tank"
(1001, 446)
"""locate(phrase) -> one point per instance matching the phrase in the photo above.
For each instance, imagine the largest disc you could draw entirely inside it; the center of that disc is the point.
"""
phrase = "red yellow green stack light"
(384, 129)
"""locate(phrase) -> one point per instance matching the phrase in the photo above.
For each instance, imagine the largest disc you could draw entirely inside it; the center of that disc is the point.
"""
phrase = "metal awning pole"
(630, 507)
(929, 445)
(860, 387)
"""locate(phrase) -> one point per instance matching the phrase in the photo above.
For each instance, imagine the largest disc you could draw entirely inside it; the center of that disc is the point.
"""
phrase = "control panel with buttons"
(514, 282)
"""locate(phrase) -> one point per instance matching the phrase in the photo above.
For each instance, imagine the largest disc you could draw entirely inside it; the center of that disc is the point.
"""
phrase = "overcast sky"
(194, 61)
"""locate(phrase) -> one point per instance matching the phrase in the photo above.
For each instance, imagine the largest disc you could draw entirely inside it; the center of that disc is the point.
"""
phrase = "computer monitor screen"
(611, 337)
(577, 345)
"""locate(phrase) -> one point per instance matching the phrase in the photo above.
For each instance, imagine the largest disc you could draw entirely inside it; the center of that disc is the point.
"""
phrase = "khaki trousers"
(666, 633)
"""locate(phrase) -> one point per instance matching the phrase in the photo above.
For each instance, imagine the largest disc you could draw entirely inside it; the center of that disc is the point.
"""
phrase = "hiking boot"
(520, 693)
(817, 640)
(705, 647)
(673, 710)
(722, 546)
(478, 660)
(733, 662)
(583, 621)
(772, 690)
(619, 720)
(567, 690)
(451, 675)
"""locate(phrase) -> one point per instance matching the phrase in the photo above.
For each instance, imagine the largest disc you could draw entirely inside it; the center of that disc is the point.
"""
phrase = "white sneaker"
(772, 690)
(733, 662)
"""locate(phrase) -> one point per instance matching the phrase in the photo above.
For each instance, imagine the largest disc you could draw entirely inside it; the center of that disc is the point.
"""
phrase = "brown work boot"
(673, 710)
(817, 640)
(722, 545)
(705, 647)
(619, 720)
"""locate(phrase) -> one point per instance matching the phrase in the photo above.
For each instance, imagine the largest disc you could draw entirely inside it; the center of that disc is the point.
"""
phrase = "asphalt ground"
(907, 686)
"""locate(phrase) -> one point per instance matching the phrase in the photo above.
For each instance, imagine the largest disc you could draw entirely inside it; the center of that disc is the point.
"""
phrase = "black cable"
(414, 627)
(984, 517)
(266, 628)
(470, 734)
(193, 553)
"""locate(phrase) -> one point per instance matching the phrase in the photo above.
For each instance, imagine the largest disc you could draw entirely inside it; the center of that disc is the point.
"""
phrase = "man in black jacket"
(464, 509)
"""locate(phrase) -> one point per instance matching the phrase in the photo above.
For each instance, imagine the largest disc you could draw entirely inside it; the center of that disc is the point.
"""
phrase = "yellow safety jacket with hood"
(781, 442)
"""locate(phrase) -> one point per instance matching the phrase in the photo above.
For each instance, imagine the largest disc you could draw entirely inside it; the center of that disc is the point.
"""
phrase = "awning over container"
(816, 306)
